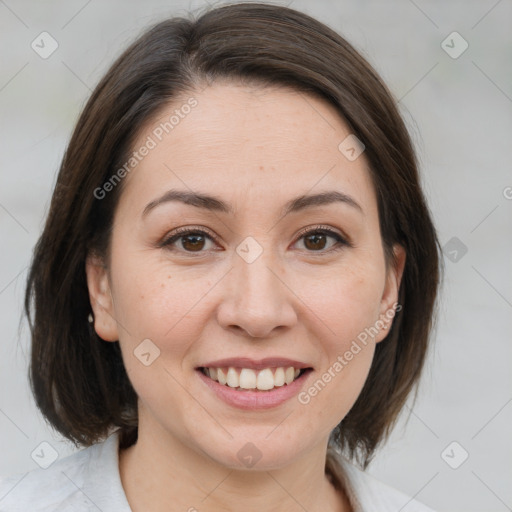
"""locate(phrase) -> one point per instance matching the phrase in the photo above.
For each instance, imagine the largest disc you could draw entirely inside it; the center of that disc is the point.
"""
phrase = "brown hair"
(78, 380)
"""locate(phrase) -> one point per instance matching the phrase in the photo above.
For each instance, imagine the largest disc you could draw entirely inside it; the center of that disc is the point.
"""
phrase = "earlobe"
(100, 297)
(389, 301)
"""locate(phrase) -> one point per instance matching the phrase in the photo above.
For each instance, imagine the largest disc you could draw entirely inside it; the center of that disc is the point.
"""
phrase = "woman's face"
(282, 267)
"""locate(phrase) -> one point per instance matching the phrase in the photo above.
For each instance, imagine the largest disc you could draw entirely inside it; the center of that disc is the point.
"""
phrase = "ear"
(389, 300)
(100, 296)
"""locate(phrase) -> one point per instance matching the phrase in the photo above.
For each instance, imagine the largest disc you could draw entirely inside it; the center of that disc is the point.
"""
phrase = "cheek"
(346, 306)
(347, 302)
(156, 302)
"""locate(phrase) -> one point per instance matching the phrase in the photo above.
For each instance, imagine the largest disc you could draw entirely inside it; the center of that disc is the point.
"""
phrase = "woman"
(233, 293)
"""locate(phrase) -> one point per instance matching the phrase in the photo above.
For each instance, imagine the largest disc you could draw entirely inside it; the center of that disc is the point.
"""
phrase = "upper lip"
(254, 364)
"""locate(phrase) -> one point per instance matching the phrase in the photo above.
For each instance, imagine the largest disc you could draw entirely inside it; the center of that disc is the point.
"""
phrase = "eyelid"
(175, 234)
(189, 229)
(344, 239)
(341, 238)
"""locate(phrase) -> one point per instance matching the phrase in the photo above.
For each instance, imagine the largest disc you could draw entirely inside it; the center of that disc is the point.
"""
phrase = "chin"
(258, 448)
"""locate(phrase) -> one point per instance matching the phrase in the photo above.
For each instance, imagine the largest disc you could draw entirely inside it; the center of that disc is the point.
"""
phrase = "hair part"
(78, 380)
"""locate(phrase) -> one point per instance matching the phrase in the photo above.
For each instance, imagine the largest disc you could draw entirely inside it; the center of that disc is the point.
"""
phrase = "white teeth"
(279, 377)
(232, 378)
(247, 378)
(265, 380)
(221, 376)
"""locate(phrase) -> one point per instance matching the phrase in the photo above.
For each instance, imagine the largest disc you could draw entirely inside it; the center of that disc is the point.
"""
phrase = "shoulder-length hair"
(78, 380)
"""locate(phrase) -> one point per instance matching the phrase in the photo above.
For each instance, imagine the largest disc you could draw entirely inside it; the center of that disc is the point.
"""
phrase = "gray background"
(459, 113)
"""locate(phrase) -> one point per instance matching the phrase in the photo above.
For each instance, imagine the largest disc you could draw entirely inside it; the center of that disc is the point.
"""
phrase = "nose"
(257, 301)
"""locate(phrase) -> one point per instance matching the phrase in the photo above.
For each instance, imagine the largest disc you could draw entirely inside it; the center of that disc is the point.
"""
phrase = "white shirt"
(89, 480)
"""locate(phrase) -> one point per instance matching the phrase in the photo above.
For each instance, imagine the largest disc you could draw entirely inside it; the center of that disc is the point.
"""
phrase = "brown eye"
(190, 240)
(317, 240)
(194, 242)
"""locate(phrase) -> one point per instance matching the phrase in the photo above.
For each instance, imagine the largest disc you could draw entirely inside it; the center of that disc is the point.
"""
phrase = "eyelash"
(324, 230)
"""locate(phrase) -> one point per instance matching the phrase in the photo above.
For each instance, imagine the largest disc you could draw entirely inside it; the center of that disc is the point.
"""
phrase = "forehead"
(253, 140)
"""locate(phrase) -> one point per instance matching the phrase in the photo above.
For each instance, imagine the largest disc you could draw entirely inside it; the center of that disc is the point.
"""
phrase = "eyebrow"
(215, 204)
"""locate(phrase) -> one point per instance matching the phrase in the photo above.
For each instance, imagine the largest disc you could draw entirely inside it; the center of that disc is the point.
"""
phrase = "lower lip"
(254, 400)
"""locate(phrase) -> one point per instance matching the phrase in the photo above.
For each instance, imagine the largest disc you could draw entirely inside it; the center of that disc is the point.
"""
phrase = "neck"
(159, 470)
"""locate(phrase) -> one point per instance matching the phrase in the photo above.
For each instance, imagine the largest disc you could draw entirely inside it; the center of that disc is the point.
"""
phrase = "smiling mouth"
(247, 379)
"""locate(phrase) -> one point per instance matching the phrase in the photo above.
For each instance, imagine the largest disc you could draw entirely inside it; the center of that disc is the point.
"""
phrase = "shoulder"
(367, 493)
(86, 480)
(378, 496)
(46, 489)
